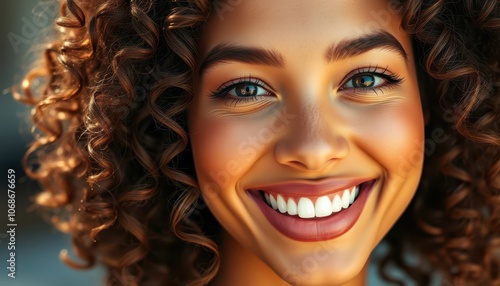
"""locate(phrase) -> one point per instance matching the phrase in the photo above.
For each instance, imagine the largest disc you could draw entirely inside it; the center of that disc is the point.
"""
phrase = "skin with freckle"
(308, 119)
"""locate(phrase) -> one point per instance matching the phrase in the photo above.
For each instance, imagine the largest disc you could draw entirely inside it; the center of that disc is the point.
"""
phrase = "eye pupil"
(246, 90)
(364, 81)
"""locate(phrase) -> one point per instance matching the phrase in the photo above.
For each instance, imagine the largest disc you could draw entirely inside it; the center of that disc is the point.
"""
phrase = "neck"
(241, 267)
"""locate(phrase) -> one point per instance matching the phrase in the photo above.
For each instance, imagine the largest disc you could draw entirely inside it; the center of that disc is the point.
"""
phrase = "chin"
(315, 273)
(338, 260)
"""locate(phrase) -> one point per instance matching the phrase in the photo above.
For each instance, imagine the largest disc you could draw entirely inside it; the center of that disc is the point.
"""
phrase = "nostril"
(299, 164)
(311, 164)
(306, 154)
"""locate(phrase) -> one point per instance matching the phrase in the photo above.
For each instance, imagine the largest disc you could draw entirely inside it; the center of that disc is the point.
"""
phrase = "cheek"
(216, 158)
(224, 147)
(394, 139)
(394, 136)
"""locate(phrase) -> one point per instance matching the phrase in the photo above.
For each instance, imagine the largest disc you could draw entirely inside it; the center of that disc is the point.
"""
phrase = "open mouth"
(311, 207)
(312, 213)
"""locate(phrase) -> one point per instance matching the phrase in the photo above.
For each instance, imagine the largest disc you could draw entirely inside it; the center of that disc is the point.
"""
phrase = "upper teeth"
(306, 208)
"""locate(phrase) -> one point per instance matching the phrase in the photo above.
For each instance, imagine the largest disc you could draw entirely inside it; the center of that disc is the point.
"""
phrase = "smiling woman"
(330, 173)
(273, 142)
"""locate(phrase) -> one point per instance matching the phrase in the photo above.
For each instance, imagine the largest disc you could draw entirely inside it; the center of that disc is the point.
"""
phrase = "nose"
(312, 142)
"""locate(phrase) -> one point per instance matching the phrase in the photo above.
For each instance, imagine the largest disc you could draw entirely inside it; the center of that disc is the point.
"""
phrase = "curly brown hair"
(113, 158)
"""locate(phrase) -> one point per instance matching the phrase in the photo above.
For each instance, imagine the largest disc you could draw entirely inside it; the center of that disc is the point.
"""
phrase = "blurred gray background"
(22, 25)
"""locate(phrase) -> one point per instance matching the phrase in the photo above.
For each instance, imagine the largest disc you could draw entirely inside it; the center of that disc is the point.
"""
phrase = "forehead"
(291, 24)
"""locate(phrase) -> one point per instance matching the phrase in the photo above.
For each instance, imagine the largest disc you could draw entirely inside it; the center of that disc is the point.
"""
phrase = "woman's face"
(307, 130)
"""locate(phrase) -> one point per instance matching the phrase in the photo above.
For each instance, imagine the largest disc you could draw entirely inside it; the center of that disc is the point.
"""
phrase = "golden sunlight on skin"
(305, 123)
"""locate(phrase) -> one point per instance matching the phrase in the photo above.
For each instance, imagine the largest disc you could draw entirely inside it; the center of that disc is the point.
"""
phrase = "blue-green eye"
(364, 81)
(242, 90)
(367, 80)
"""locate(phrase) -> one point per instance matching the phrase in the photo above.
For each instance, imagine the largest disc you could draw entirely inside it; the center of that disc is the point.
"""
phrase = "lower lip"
(316, 229)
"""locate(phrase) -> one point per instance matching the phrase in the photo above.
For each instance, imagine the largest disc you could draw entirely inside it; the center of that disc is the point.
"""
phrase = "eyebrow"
(226, 52)
(353, 47)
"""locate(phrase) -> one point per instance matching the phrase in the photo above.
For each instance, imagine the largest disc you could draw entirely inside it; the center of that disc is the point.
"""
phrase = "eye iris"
(246, 90)
(363, 81)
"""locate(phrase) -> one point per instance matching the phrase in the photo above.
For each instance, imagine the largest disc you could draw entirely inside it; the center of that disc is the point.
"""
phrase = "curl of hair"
(457, 205)
(110, 139)
(109, 151)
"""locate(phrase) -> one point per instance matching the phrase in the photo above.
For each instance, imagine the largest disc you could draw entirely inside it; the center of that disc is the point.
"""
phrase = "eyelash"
(221, 94)
(392, 79)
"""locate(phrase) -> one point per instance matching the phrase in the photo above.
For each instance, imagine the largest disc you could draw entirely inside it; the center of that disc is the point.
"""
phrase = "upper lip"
(304, 188)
